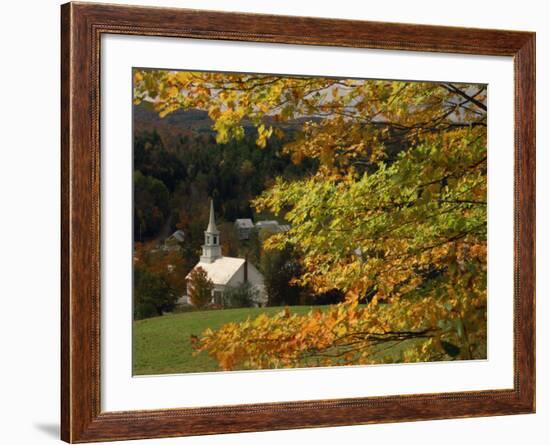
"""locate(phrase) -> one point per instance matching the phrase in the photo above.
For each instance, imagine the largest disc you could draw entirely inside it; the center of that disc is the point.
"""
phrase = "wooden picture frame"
(82, 26)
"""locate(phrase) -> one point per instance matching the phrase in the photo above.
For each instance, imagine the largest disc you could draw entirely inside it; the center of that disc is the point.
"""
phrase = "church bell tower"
(211, 249)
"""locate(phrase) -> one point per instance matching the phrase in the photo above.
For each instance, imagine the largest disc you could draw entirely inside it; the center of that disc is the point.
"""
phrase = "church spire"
(211, 249)
(211, 222)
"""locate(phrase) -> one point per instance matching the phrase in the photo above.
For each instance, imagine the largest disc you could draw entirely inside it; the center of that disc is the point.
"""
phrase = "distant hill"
(182, 120)
(174, 125)
(187, 122)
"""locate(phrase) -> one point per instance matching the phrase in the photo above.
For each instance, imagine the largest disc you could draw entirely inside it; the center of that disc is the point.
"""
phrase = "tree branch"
(451, 88)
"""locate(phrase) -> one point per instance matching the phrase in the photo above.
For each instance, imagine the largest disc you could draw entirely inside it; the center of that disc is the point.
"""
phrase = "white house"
(272, 226)
(174, 241)
(244, 226)
(226, 272)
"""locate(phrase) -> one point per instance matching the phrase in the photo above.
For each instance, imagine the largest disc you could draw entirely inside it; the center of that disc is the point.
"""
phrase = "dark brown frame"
(81, 27)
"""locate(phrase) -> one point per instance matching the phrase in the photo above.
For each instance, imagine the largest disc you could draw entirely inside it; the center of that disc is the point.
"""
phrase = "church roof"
(221, 270)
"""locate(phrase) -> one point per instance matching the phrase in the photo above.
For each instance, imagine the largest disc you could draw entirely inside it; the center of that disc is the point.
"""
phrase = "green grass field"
(161, 345)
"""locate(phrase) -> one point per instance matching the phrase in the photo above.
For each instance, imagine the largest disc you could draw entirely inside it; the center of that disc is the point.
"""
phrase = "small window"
(215, 240)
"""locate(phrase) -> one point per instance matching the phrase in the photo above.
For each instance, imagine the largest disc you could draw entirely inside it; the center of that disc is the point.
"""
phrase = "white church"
(226, 272)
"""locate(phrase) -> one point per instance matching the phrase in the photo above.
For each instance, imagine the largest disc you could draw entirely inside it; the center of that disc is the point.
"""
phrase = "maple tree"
(394, 216)
(169, 265)
(199, 288)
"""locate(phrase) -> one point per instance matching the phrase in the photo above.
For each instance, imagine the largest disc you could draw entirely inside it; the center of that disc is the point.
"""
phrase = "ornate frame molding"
(82, 25)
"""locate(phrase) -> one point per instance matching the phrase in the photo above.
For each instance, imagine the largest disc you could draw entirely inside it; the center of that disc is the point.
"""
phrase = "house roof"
(273, 225)
(222, 269)
(178, 235)
(244, 223)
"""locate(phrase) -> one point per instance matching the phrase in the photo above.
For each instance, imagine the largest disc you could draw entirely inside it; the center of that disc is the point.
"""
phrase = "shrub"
(152, 295)
(241, 296)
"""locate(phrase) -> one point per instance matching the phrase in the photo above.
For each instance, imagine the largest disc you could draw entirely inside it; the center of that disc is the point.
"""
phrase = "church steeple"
(211, 249)
(211, 222)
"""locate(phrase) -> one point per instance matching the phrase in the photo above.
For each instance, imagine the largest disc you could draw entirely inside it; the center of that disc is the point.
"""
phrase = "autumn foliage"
(395, 215)
(199, 288)
(159, 279)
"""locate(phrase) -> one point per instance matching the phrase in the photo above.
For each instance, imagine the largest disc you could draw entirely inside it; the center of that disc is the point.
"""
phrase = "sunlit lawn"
(162, 344)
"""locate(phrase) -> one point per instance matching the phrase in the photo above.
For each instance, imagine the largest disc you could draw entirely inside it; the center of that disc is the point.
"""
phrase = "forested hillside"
(178, 168)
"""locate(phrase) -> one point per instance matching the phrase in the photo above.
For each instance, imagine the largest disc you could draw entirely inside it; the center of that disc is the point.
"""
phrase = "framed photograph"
(274, 222)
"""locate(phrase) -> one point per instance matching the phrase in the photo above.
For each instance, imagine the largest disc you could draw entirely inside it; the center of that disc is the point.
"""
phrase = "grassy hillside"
(162, 344)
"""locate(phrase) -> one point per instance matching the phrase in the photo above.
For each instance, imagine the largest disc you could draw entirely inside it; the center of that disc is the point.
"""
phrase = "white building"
(244, 226)
(174, 241)
(227, 272)
(272, 226)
